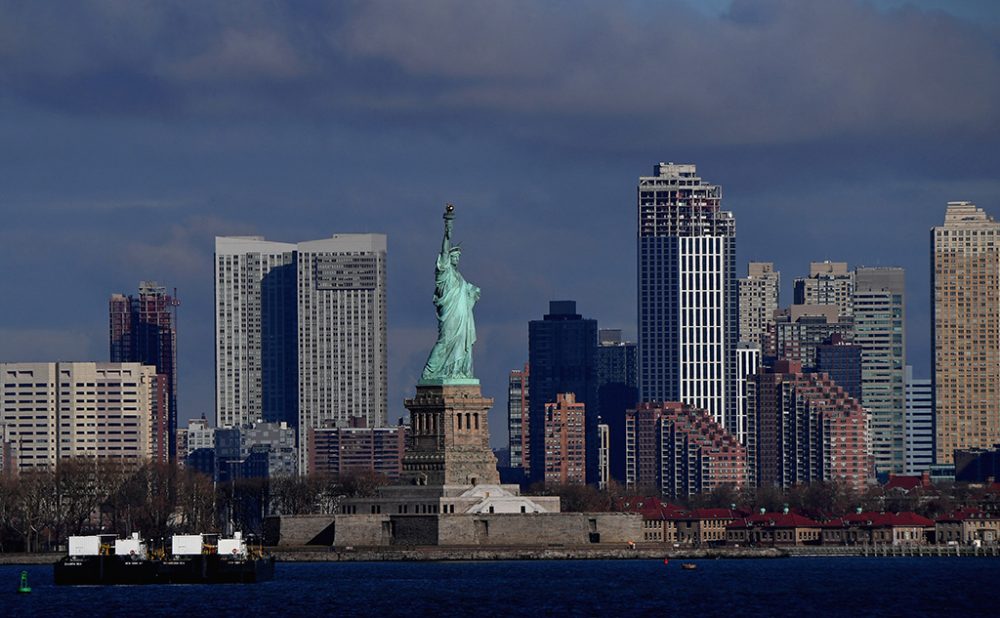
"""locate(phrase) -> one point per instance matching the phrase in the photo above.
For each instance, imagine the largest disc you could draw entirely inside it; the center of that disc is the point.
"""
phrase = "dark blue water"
(813, 586)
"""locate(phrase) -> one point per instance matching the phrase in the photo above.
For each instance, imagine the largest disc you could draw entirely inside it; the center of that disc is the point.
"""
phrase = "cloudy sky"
(132, 133)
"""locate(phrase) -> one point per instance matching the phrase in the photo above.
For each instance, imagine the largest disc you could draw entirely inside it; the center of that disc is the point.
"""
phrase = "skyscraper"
(688, 295)
(758, 301)
(880, 329)
(562, 353)
(965, 282)
(143, 329)
(255, 332)
(617, 391)
(300, 332)
(342, 358)
(828, 283)
(518, 427)
(565, 442)
(919, 425)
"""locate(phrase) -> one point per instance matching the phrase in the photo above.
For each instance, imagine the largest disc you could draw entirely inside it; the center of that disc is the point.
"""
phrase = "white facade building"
(688, 294)
(301, 332)
(919, 436)
(255, 331)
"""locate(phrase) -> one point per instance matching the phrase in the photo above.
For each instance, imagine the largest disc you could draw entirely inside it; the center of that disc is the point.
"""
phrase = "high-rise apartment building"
(603, 455)
(828, 283)
(562, 354)
(518, 427)
(54, 411)
(758, 301)
(919, 424)
(617, 391)
(798, 330)
(808, 429)
(880, 329)
(965, 282)
(301, 332)
(688, 295)
(681, 451)
(565, 441)
(256, 326)
(841, 360)
(748, 364)
(143, 329)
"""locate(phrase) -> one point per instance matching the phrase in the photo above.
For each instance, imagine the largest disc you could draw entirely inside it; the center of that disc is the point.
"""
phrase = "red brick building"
(565, 441)
(681, 450)
(809, 429)
(342, 451)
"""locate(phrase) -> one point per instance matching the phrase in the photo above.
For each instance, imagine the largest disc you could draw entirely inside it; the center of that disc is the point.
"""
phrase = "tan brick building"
(966, 326)
(54, 411)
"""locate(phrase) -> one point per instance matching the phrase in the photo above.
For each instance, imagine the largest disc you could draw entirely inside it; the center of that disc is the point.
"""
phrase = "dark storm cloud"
(133, 132)
(764, 71)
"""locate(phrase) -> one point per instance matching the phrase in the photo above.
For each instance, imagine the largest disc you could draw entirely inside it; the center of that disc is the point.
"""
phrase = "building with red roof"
(870, 528)
(773, 529)
(659, 519)
(968, 526)
(906, 483)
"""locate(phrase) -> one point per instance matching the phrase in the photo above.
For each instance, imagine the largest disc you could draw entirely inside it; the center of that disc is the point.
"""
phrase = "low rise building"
(701, 527)
(870, 528)
(967, 527)
(772, 530)
(659, 519)
(341, 450)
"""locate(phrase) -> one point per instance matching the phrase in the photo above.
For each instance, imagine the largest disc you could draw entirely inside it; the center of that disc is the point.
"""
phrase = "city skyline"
(126, 172)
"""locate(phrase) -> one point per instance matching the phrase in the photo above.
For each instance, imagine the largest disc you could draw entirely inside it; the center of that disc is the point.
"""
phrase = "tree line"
(39, 509)
(818, 500)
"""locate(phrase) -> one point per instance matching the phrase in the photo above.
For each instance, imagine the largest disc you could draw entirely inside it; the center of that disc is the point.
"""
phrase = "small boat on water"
(192, 559)
(689, 566)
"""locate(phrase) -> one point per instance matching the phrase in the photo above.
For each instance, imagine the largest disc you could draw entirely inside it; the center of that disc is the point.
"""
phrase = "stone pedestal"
(449, 437)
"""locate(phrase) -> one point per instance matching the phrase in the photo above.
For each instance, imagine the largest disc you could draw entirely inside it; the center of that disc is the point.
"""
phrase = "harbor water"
(813, 586)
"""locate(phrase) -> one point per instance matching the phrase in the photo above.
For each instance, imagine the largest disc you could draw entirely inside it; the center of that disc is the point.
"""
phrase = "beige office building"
(53, 411)
(965, 279)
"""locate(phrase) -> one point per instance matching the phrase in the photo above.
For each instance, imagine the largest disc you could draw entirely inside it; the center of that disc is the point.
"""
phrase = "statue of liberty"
(454, 298)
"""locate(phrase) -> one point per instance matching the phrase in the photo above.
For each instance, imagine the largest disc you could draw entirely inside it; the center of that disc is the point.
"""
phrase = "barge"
(191, 559)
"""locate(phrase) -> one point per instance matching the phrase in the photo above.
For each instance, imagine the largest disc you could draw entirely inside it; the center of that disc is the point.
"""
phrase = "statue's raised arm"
(454, 298)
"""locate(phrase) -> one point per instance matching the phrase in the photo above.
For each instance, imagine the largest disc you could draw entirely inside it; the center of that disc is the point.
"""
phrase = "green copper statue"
(454, 297)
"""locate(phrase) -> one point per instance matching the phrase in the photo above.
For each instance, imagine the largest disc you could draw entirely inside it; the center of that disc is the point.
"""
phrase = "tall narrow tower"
(880, 330)
(143, 329)
(758, 301)
(688, 294)
(965, 282)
